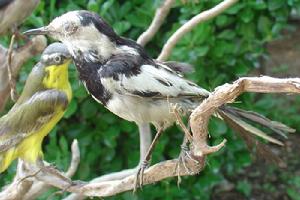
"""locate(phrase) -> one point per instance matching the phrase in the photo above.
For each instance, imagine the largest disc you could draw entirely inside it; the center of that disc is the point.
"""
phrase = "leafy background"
(223, 49)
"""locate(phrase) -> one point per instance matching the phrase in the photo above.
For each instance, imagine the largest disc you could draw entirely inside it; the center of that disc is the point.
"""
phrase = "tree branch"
(227, 94)
(30, 188)
(19, 57)
(153, 174)
(159, 17)
(187, 27)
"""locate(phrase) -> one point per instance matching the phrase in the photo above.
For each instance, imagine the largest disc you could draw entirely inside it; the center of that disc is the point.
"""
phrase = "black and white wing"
(130, 75)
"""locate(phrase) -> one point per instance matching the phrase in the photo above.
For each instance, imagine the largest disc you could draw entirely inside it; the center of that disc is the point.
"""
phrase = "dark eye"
(70, 28)
(57, 59)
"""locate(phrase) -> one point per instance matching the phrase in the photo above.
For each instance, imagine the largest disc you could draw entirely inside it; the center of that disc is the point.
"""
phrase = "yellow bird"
(46, 95)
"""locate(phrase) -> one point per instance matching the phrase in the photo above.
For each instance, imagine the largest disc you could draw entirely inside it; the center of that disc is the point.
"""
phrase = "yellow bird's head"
(55, 61)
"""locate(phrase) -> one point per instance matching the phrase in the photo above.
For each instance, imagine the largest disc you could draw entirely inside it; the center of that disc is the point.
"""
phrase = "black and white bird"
(119, 74)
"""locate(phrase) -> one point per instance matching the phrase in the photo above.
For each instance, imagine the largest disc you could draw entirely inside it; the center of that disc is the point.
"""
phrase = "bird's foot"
(184, 155)
(139, 177)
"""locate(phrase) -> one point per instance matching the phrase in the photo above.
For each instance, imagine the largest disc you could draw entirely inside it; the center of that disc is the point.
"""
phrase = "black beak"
(38, 31)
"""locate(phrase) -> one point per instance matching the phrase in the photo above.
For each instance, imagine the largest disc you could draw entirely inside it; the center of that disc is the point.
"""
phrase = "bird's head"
(82, 30)
(56, 54)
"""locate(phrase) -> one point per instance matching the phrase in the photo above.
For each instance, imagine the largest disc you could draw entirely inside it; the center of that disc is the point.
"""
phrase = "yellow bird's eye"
(57, 59)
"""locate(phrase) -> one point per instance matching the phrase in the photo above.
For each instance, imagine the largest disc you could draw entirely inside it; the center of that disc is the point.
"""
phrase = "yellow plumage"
(28, 145)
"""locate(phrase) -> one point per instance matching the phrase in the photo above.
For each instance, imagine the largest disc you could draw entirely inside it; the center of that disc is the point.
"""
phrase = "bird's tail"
(239, 119)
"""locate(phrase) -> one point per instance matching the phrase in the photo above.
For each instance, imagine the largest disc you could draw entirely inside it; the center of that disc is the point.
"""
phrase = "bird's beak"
(38, 31)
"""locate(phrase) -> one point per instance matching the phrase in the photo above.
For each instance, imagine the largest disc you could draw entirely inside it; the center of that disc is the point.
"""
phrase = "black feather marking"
(146, 93)
(179, 67)
(87, 18)
(166, 83)
(124, 64)
(88, 73)
(192, 84)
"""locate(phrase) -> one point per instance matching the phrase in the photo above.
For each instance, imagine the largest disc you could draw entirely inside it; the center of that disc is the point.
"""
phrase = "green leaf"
(247, 15)
(264, 25)
(247, 30)
(222, 20)
(258, 4)
(201, 51)
(235, 8)
(293, 194)
(93, 6)
(244, 187)
(121, 27)
(275, 4)
(89, 108)
(227, 34)
(71, 109)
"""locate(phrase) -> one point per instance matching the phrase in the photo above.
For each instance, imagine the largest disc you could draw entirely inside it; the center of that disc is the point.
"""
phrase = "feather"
(251, 129)
(262, 150)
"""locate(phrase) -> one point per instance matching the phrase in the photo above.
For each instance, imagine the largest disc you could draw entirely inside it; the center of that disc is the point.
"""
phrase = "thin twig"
(187, 27)
(159, 18)
(11, 78)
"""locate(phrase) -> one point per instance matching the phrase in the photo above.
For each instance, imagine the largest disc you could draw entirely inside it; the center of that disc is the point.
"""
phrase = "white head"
(81, 30)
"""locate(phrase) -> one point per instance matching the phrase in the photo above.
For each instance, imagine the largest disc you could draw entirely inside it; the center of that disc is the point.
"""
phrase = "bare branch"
(75, 160)
(226, 94)
(31, 188)
(187, 27)
(14, 13)
(19, 57)
(153, 174)
(160, 15)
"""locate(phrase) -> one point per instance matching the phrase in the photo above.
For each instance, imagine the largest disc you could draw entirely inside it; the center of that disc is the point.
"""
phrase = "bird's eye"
(57, 59)
(70, 28)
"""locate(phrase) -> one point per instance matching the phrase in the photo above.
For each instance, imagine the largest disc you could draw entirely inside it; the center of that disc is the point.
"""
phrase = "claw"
(139, 177)
(184, 154)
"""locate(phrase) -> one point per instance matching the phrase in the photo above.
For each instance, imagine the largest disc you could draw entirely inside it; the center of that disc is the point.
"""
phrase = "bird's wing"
(130, 75)
(179, 67)
(30, 116)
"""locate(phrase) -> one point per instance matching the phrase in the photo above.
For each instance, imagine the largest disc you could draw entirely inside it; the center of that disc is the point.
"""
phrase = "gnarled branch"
(227, 94)
(26, 187)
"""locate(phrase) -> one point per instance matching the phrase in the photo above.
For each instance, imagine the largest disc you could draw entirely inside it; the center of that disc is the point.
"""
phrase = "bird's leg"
(185, 151)
(140, 173)
(11, 78)
(145, 140)
(184, 154)
(179, 121)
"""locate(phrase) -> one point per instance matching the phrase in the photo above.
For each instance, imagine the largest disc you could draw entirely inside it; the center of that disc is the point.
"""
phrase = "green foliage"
(221, 50)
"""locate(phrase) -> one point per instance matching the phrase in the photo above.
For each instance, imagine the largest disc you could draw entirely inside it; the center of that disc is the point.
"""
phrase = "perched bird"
(41, 105)
(14, 12)
(119, 74)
